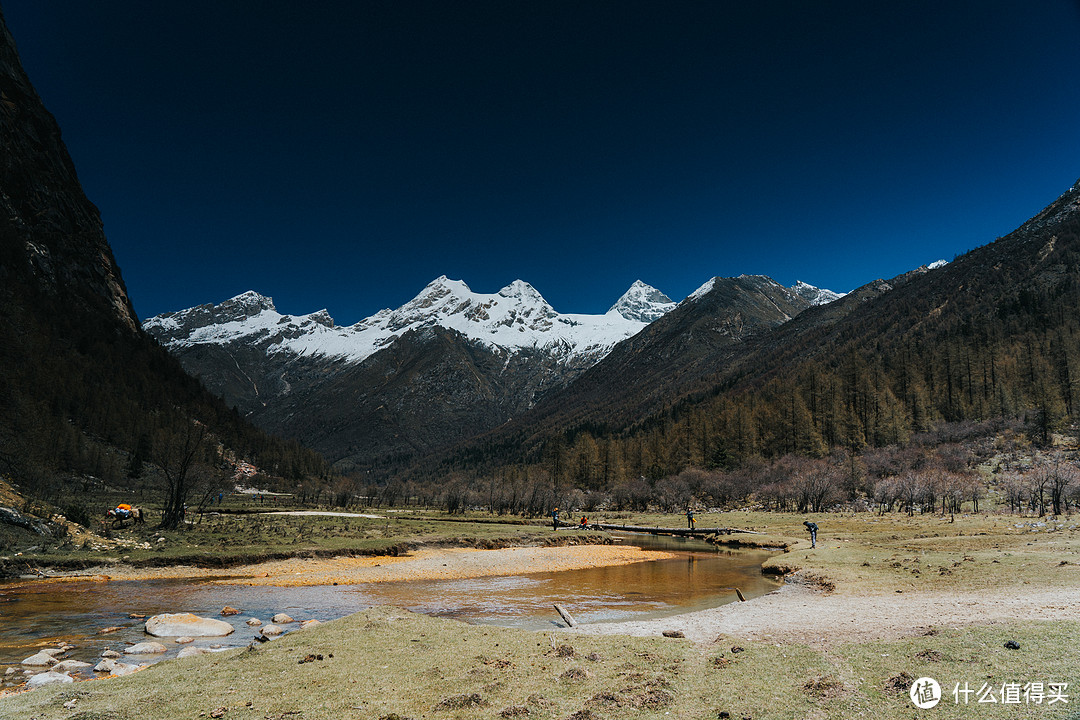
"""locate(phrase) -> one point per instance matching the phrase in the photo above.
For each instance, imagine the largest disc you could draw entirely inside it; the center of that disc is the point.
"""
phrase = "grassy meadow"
(385, 664)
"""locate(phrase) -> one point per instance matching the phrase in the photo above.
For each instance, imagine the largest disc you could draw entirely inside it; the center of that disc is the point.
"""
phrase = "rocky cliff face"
(51, 235)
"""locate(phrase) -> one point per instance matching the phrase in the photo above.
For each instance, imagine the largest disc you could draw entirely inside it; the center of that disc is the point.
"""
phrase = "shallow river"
(32, 613)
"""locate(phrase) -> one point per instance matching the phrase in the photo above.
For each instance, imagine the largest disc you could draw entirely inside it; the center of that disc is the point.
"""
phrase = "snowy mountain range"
(449, 364)
(514, 318)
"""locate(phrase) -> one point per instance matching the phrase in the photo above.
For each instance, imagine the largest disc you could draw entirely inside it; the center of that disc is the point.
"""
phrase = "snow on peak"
(250, 298)
(643, 303)
(814, 295)
(234, 310)
(936, 264)
(702, 291)
(521, 289)
(515, 318)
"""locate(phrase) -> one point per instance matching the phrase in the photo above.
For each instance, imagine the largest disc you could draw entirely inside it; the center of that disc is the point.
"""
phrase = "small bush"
(78, 513)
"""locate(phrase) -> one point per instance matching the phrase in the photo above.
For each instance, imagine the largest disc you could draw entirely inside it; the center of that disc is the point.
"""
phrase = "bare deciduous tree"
(177, 455)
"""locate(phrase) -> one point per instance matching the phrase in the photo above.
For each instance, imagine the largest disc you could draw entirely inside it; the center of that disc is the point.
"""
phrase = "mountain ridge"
(515, 317)
(499, 355)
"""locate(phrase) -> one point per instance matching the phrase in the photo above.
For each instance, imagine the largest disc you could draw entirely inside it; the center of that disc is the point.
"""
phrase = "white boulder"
(40, 659)
(192, 650)
(69, 665)
(272, 630)
(145, 648)
(114, 667)
(181, 624)
(46, 678)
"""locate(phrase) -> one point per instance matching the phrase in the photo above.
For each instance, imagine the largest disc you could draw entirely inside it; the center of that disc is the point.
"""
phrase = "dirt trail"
(799, 614)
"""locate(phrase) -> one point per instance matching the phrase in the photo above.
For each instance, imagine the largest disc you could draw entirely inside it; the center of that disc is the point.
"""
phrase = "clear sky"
(341, 155)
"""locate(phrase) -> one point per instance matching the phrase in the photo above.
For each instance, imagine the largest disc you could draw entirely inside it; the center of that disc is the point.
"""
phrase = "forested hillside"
(86, 398)
(990, 337)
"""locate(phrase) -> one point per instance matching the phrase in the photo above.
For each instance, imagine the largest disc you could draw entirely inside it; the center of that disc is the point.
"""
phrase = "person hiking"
(584, 522)
(812, 527)
(555, 519)
(689, 519)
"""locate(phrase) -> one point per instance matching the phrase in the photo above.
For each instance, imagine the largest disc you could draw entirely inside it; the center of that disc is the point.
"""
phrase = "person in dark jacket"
(812, 527)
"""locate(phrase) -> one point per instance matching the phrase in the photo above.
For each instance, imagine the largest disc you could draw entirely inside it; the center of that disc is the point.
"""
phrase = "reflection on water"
(33, 613)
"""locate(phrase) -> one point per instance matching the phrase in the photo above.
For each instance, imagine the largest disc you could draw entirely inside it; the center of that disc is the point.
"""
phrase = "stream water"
(34, 613)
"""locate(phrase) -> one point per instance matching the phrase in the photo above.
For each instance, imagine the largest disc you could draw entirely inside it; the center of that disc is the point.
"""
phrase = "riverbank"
(801, 613)
(423, 564)
(388, 664)
(221, 541)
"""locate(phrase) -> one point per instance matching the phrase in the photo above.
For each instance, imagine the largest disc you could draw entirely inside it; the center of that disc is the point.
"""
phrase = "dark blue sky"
(343, 154)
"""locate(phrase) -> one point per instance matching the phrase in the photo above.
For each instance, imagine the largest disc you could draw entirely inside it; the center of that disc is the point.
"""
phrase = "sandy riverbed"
(443, 563)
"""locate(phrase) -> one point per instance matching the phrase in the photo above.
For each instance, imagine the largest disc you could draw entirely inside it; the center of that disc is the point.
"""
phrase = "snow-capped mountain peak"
(523, 290)
(814, 295)
(809, 293)
(515, 318)
(251, 299)
(643, 303)
(234, 310)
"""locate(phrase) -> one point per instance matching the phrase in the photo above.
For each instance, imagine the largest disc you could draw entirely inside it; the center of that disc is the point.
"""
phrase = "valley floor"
(880, 602)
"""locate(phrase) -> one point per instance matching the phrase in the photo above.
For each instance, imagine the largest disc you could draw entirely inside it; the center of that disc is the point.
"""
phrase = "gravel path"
(799, 614)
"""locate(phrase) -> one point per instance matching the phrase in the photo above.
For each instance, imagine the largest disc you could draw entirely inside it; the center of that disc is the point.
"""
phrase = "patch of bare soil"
(801, 613)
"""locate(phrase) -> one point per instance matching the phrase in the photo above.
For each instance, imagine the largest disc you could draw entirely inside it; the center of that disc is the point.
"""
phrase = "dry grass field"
(940, 596)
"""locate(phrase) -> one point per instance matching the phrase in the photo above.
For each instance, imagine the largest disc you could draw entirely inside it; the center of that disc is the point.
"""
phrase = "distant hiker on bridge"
(812, 527)
(689, 519)
(584, 522)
